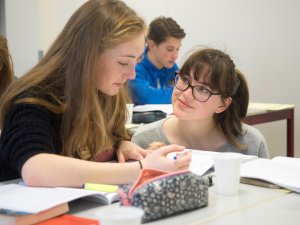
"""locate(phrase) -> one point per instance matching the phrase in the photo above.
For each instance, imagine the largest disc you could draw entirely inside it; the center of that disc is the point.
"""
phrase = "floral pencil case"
(161, 194)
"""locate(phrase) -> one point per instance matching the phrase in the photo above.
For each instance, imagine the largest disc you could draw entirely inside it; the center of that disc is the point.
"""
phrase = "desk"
(259, 113)
(253, 205)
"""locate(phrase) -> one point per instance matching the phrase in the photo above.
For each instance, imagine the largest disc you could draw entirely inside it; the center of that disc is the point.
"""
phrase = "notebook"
(18, 198)
(282, 171)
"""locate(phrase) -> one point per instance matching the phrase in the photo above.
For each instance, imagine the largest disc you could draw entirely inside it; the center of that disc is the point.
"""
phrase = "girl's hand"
(158, 159)
(128, 150)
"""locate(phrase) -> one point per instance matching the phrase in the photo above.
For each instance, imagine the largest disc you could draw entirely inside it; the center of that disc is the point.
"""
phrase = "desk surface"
(253, 205)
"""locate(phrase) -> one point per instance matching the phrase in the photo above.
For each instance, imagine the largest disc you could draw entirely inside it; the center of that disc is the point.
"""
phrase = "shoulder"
(27, 109)
(31, 116)
(31, 122)
(148, 133)
(144, 65)
(149, 128)
(252, 132)
(140, 66)
(142, 70)
(175, 67)
(255, 140)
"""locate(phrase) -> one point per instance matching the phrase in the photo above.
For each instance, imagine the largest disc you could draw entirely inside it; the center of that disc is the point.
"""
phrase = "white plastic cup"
(123, 215)
(227, 169)
(129, 113)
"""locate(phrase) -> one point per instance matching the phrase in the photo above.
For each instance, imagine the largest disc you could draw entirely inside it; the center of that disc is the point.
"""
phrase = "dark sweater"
(28, 130)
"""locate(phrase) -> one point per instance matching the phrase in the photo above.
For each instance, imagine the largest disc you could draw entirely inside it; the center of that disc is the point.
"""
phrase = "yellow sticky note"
(101, 187)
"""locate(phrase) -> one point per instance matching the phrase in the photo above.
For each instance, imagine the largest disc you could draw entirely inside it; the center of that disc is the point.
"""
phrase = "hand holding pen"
(181, 154)
(158, 159)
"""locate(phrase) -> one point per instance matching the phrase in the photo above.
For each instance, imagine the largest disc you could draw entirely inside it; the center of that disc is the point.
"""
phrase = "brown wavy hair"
(161, 28)
(218, 71)
(6, 68)
(91, 119)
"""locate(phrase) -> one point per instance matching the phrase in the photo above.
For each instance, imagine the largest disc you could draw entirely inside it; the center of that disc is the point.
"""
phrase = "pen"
(180, 154)
(100, 187)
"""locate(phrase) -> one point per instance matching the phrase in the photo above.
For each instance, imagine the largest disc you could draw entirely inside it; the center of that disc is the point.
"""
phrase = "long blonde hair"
(91, 119)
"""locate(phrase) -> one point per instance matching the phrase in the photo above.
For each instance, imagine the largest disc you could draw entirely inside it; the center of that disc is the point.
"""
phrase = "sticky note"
(101, 187)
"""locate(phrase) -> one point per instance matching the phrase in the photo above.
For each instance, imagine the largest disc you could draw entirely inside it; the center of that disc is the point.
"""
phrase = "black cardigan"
(28, 130)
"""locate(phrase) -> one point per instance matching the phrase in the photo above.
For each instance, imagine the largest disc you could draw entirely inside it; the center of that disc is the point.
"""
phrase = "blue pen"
(178, 155)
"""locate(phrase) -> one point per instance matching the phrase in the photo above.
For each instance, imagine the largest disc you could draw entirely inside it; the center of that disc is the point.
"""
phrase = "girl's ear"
(225, 104)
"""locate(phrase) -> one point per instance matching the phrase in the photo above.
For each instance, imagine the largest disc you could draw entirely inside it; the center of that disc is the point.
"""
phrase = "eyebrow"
(128, 56)
(132, 56)
(197, 82)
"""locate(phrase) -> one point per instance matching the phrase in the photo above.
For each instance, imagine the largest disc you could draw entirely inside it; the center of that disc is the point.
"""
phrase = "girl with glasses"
(210, 100)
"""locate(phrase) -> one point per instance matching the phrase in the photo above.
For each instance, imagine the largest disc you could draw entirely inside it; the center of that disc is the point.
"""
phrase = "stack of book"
(27, 218)
(23, 205)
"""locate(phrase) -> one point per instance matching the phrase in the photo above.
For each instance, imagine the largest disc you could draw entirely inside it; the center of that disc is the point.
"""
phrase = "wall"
(21, 28)
(261, 36)
(2, 18)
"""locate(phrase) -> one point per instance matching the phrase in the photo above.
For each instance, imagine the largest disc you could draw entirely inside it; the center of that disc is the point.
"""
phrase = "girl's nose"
(188, 93)
(131, 73)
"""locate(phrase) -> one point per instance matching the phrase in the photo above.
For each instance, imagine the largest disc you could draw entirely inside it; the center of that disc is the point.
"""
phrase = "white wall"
(21, 18)
(261, 36)
(2, 18)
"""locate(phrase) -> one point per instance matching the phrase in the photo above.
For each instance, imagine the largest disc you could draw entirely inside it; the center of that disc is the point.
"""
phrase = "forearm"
(53, 170)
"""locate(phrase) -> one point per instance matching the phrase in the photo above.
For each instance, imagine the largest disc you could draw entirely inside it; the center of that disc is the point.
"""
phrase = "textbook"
(282, 171)
(202, 161)
(21, 199)
(28, 219)
(69, 220)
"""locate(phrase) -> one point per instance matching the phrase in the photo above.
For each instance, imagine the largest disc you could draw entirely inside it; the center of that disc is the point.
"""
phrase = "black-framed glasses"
(200, 92)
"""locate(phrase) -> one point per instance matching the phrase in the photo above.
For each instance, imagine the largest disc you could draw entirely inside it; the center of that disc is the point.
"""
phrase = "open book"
(282, 171)
(202, 161)
(20, 199)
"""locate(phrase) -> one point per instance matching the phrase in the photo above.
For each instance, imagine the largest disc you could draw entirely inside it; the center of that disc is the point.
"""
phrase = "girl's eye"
(123, 63)
(186, 81)
(203, 89)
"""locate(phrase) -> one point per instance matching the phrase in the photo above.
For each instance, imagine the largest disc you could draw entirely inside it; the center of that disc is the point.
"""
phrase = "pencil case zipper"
(127, 197)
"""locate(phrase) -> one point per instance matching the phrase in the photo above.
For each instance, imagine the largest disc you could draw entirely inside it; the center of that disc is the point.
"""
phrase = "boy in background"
(155, 73)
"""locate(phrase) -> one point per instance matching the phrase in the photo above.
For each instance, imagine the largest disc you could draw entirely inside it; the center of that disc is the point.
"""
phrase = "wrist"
(140, 164)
